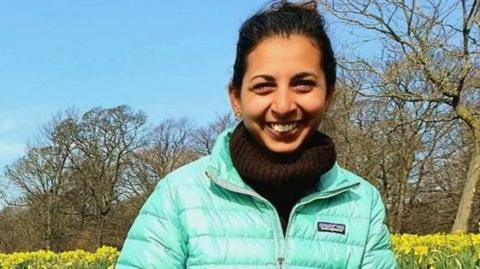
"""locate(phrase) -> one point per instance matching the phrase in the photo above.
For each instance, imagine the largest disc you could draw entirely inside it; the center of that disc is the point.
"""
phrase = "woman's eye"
(304, 85)
(263, 87)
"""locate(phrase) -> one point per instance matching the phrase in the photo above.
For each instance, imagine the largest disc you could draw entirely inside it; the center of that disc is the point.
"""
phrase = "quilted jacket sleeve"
(378, 253)
(155, 238)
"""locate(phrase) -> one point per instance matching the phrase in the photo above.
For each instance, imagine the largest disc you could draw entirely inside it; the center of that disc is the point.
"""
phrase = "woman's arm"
(378, 253)
(155, 238)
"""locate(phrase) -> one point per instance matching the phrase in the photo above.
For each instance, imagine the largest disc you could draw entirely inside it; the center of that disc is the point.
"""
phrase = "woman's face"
(283, 94)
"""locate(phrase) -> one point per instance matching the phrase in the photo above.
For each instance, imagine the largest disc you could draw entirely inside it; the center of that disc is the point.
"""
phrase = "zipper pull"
(280, 261)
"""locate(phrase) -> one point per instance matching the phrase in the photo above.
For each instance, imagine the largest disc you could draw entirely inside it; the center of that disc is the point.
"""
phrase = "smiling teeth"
(281, 128)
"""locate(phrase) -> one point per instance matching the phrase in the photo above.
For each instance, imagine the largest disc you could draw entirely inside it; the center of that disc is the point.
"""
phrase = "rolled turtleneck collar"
(282, 179)
(315, 157)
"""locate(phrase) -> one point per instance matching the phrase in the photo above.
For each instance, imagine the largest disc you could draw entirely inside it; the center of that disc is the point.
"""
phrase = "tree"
(105, 139)
(42, 176)
(168, 147)
(17, 231)
(204, 137)
(436, 40)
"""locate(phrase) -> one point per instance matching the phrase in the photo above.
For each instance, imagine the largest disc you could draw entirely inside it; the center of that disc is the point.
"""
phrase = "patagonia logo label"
(331, 227)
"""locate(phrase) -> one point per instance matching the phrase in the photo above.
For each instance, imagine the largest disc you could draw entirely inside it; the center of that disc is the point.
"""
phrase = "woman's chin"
(281, 147)
(284, 143)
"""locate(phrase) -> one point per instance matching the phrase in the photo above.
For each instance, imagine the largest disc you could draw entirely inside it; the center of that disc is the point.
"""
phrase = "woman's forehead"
(277, 56)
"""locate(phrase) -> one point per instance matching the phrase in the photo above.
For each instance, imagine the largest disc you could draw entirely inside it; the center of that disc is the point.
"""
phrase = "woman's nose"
(283, 103)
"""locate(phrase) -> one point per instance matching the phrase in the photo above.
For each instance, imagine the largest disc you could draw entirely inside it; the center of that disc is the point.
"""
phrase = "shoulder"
(186, 181)
(365, 189)
(364, 185)
(187, 174)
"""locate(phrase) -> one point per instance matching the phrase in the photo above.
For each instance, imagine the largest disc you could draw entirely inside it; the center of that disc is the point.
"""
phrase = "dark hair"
(283, 18)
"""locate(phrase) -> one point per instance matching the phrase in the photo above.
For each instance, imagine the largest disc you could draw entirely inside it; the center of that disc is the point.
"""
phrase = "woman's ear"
(329, 99)
(234, 96)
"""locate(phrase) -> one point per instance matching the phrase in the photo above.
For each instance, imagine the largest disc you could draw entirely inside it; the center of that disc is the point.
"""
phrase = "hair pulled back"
(283, 18)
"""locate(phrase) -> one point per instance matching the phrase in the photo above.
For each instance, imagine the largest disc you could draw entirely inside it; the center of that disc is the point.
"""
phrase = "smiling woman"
(271, 194)
(283, 94)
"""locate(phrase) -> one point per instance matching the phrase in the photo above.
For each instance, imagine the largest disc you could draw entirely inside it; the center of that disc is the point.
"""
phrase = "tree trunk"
(402, 190)
(49, 229)
(100, 228)
(465, 208)
(400, 207)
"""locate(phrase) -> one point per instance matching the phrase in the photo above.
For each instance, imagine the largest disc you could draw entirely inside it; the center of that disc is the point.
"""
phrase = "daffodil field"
(436, 251)
(103, 258)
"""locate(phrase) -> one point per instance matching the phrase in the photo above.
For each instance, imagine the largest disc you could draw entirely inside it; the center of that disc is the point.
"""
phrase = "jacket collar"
(221, 168)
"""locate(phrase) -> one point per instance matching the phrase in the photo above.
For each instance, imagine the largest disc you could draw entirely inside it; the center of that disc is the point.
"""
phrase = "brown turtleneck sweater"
(282, 179)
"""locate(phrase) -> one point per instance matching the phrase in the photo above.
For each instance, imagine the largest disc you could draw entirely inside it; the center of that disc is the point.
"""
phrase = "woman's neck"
(315, 157)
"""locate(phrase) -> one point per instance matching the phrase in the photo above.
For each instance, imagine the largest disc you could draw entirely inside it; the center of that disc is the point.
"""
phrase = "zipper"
(280, 261)
(280, 258)
(279, 231)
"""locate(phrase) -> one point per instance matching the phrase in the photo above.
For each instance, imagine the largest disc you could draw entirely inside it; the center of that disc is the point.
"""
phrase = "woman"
(271, 194)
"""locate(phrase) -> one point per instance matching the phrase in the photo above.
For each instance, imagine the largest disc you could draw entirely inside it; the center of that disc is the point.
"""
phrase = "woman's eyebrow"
(303, 75)
(268, 78)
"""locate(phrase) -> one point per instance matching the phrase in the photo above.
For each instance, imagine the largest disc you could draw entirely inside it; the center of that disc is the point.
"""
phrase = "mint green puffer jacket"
(204, 216)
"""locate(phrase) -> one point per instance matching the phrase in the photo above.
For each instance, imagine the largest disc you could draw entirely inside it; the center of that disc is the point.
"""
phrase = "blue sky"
(167, 58)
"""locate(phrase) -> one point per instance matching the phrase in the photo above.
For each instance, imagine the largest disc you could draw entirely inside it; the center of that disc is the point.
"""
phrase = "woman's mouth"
(283, 128)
